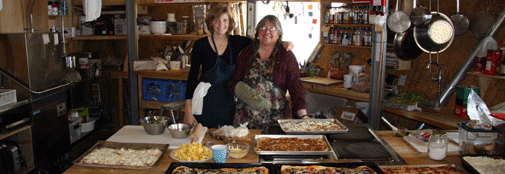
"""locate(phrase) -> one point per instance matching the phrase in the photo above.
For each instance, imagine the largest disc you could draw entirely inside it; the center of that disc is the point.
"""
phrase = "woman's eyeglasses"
(268, 28)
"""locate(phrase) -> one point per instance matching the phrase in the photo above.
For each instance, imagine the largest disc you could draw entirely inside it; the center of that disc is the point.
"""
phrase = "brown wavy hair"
(215, 13)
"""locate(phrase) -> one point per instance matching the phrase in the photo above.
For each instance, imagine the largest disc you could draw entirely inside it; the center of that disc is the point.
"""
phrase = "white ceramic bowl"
(158, 27)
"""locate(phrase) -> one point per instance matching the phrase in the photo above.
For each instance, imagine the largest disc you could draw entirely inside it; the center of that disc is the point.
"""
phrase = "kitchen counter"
(407, 152)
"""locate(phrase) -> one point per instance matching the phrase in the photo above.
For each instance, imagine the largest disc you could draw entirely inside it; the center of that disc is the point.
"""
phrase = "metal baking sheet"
(372, 165)
(101, 143)
(330, 152)
(172, 166)
(430, 165)
(344, 129)
(471, 169)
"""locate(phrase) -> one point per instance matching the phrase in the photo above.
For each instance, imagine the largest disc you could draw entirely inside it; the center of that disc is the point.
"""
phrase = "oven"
(360, 143)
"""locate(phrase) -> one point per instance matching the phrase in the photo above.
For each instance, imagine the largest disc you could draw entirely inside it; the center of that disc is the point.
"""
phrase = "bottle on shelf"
(356, 39)
(329, 38)
(502, 66)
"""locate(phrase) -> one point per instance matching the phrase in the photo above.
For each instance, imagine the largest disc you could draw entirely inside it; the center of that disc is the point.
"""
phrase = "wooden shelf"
(337, 91)
(350, 46)
(141, 37)
(487, 76)
(353, 25)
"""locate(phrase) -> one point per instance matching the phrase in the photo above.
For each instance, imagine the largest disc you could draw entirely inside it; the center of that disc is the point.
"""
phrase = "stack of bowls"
(154, 125)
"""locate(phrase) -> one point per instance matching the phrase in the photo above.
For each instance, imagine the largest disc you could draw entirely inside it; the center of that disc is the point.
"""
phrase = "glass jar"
(437, 146)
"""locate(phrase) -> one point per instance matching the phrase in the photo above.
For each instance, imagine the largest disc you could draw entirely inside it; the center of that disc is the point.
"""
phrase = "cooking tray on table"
(172, 166)
(343, 128)
(329, 152)
(115, 145)
(430, 165)
(471, 169)
(373, 166)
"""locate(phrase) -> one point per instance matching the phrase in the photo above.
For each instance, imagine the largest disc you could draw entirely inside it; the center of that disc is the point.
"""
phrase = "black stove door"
(50, 127)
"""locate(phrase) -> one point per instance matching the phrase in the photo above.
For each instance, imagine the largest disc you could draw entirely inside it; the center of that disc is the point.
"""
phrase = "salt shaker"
(437, 146)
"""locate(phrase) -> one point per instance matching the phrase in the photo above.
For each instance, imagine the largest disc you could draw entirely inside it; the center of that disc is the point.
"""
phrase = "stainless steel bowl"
(154, 125)
(179, 130)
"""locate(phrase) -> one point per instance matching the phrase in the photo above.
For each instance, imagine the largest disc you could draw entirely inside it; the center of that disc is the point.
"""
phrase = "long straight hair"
(277, 24)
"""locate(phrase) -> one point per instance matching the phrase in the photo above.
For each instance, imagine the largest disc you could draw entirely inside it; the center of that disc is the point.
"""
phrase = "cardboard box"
(350, 115)
(144, 65)
(460, 111)
(163, 90)
(462, 92)
(120, 26)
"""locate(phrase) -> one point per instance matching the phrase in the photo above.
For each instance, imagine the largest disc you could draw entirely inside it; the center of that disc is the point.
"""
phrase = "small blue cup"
(219, 153)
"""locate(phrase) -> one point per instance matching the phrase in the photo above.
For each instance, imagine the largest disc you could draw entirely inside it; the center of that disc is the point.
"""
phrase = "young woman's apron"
(218, 104)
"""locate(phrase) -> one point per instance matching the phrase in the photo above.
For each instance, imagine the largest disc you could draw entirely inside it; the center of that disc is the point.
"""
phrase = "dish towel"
(197, 101)
(92, 9)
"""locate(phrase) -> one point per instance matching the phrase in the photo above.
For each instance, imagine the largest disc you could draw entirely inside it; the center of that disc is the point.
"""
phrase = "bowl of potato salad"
(194, 152)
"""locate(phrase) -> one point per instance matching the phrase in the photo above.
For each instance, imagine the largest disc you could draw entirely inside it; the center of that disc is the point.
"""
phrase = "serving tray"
(430, 165)
(172, 166)
(344, 129)
(330, 152)
(373, 166)
(101, 144)
(470, 168)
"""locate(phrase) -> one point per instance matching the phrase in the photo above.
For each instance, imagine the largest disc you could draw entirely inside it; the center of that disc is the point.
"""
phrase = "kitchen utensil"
(436, 36)
(482, 22)
(399, 132)
(154, 125)
(393, 128)
(405, 46)
(399, 21)
(460, 21)
(419, 16)
(180, 130)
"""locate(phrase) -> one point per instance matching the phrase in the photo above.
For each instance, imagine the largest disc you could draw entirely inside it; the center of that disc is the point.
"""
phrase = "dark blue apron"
(218, 104)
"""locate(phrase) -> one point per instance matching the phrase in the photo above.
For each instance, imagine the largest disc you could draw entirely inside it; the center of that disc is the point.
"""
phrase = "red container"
(460, 111)
(493, 62)
(480, 62)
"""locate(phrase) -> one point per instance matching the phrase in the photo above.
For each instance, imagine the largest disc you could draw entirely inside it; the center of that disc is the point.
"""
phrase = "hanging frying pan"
(399, 21)
(482, 22)
(419, 16)
(460, 21)
(405, 46)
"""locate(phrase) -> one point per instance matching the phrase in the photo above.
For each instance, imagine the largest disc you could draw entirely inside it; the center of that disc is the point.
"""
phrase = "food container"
(7, 96)
(477, 141)
(237, 149)
(89, 125)
(330, 152)
(179, 130)
(178, 28)
(154, 125)
(158, 26)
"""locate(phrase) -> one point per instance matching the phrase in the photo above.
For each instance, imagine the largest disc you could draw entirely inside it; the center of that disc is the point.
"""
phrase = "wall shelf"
(487, 76)
(141, 37)
(350, 46)
(352, 25)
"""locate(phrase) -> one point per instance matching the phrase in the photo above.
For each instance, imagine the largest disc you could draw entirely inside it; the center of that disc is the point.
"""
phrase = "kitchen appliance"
(33, 64)
(360, 143)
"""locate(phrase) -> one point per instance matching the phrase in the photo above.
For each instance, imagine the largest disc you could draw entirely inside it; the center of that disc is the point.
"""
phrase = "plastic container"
(477, 141)
(89, 125)
(7, 96)
(355, 70)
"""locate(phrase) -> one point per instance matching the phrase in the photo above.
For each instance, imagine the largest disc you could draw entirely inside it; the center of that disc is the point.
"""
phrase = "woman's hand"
(288, 45)
(188, 115)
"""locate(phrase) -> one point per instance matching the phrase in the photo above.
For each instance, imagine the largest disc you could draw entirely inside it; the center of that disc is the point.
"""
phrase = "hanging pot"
(405, 46)
(399, 21)
(436, 36)
(460, 21)
(419, 16)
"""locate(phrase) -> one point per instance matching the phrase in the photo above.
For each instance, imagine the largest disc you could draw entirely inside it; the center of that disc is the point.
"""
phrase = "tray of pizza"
(344, 167)
(483, 164)
(292, 145)
(312, 126)
(432, 168)
(122, 155)
(190, 168)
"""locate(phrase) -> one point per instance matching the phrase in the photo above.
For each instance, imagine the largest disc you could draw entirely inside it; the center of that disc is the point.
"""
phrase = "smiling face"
(221, 24)
(268, 34)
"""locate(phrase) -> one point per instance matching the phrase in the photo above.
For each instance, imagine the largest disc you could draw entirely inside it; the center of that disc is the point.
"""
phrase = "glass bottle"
(330, 36)
(366, 15)
(437, 146)
(350, 19)
(356, 39)
(328, 19)
(502, 67)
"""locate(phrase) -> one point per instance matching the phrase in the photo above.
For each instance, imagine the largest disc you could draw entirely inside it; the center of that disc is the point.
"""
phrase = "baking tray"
(101, 143)
(172, 166)
(373, 166)
(473, 170)
(344, 129)
(430, 165)
(330, 152)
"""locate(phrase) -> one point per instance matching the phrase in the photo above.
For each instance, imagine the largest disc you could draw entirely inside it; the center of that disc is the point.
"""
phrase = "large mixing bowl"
(179, 130)
(154, 125)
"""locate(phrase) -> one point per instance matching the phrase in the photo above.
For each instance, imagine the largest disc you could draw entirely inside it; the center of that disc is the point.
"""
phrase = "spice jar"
(437, 145)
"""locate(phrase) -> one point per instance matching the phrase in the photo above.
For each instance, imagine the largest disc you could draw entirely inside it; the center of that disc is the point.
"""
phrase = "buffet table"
(405, 150)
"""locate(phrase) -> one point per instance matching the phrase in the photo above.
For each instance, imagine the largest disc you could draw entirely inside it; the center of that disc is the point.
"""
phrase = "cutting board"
(321, 80)
(137, 134)
(422, 146)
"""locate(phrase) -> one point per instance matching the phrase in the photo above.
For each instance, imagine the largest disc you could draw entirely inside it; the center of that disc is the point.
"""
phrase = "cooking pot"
(419, 16)
(398, 21)
(405, 46)
(435, 36)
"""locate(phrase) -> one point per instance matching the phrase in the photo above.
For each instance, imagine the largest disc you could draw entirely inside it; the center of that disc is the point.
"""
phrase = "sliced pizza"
(247, 170)
(288, 169)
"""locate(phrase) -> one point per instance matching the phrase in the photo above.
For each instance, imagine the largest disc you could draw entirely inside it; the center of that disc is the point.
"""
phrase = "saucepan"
(435, 36)
(405, 46)
(399, 21)
(419, 16)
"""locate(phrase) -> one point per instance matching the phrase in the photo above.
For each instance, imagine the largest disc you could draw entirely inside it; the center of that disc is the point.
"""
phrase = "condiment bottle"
(502, 67)
(437, 146)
